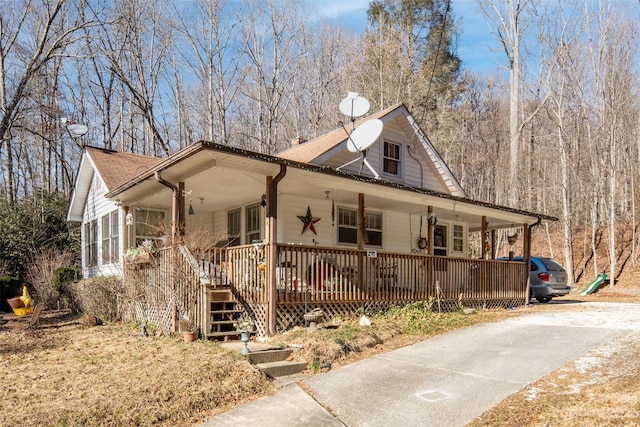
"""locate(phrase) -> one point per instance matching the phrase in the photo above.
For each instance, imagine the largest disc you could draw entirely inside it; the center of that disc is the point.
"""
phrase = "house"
(320, 225)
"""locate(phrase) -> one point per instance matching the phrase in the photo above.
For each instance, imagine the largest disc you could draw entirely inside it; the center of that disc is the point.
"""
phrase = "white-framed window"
(440, 239)
(234, 227)
(150, 225)
(252, 223)
(110, 227)
(458, 238)
(348, 227)
(91, 243)
(391, 159)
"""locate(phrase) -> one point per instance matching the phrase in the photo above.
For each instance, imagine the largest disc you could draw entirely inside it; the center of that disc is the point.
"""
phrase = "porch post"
(272, 256)
(526, 257)
(493, 244)
(429, 231)
(485, 229)
(361, 239)
(181, 211)
(127, 235)
(483, 265)
(272, 237)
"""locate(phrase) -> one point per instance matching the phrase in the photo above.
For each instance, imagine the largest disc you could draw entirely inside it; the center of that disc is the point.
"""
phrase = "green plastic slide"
(593, 285)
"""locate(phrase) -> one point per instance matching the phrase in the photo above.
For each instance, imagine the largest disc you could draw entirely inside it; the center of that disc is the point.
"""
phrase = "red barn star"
(308, 222)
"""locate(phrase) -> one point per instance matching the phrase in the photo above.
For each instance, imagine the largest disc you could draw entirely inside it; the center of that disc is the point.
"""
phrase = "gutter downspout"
(174, 220)
(527, 259)
(174, 203)
(272, 210)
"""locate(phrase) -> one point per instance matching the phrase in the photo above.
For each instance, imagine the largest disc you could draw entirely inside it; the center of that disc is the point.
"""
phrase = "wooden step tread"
(223, 334)
(223, 322)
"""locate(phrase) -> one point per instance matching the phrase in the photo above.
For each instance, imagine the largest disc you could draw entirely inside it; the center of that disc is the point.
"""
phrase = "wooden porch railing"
(165, 286)
(176, 282)
(322, 274)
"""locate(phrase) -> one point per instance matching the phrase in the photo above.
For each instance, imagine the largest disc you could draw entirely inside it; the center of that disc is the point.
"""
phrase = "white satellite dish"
(360, 140)
(354, 105)
(77, 130)
(365, 135)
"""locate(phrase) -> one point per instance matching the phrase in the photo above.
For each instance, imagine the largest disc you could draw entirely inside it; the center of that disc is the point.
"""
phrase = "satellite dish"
(365, 135)
(354, 105)
(77, 130)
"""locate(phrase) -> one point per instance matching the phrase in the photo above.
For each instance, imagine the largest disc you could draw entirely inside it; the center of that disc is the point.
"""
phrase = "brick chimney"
(297, 141)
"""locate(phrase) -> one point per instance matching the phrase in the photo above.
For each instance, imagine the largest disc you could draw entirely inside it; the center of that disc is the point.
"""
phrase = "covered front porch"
(373, 243)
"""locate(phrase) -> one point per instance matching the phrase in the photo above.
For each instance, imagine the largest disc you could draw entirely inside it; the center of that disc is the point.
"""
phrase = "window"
(110, 238)
(348, 227)
(458, 238)
(149, 225)
(233, 227)
(91, 243)
(252, 222)
(373, 225)
(391, 159)
(440, 240)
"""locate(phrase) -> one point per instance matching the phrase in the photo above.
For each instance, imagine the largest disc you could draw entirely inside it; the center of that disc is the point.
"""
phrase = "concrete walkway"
(447, 380)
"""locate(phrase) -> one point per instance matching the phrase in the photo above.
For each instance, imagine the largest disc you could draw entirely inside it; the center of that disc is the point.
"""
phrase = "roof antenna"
(359, 140)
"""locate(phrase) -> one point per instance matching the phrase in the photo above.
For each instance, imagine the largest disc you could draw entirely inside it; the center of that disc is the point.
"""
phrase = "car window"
(551, 265)
(534, 266)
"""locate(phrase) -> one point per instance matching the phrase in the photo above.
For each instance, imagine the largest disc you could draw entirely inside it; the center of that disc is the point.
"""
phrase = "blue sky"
(473, 45)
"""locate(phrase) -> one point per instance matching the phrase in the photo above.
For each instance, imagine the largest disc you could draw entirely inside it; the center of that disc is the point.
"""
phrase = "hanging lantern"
(512, 239)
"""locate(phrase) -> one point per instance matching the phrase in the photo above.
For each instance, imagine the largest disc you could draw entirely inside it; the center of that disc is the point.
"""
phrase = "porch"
(177, 283)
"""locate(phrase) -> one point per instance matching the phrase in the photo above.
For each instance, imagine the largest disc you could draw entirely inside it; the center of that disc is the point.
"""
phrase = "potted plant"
(142, 253)
(245, 326)
(189, 330)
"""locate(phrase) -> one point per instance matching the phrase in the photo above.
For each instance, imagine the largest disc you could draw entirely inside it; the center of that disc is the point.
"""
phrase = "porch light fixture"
(263, 201)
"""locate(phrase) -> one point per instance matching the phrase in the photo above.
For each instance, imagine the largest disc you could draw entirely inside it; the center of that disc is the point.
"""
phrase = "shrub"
(40, 273)
(97, 296)
(60, 281)
(9, 287)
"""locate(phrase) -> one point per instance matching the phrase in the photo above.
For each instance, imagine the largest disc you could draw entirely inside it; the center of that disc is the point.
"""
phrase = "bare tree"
(215, 56)
(136, 42)
(31, 35)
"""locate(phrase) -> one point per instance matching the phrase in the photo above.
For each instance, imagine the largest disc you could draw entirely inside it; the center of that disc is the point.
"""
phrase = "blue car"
(548, 278)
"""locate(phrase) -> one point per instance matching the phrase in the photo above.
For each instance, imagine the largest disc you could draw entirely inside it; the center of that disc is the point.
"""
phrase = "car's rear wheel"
(543, 299)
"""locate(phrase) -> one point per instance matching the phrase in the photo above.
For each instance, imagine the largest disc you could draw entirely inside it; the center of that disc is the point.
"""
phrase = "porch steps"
(274, 362)
(266, 356)
(282, 368)
(224, 312)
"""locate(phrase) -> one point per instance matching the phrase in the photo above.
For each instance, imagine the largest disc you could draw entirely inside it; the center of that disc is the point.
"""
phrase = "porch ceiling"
(228, 178)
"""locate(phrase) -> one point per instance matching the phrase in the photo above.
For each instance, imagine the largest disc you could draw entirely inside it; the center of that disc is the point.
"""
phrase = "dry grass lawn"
(66, 374)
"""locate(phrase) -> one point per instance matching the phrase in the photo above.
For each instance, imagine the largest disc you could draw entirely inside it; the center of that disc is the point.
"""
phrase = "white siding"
(201, 222)
(417, 168)
(97, 206)
(290, 226)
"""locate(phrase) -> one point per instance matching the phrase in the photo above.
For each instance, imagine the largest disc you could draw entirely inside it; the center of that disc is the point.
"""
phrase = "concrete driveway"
(447, 380)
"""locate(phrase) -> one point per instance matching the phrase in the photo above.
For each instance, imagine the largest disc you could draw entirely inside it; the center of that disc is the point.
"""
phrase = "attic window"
(391, 159)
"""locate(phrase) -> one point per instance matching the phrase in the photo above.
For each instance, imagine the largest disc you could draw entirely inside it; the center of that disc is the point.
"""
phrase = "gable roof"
(313, 151)
(114, 169)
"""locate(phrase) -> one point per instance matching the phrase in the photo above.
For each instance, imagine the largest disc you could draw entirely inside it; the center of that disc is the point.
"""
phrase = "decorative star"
(308, 222)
